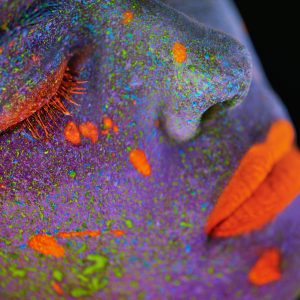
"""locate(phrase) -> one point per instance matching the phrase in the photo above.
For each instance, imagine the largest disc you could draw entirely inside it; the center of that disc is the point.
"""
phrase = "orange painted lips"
(264, 184)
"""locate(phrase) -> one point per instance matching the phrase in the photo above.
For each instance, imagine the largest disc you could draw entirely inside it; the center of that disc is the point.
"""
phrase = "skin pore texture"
(122, 200)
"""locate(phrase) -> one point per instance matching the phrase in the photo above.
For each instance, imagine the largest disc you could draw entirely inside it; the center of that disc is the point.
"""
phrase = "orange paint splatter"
(115, 129)
(127, 17)
(1, 50)
(11, 44)
(46, 244)
(72, 133)
(107, 122)
(139, 160)
(2, 186)
(179, 52)
(35, 58)
(267, 268)
(263, 185)
(117, 232)
(57, 288)
(105, 132)
(90, 131)
(70, 234)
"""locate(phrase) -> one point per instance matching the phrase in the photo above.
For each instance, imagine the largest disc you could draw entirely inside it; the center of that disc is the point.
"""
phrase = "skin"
(55, 186)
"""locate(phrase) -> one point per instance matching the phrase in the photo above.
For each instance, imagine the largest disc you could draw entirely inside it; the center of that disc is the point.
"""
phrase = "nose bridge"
(209, 67)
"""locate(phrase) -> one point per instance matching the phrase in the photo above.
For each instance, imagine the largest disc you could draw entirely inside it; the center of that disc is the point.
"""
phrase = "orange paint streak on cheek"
(57, 288)
(263, 185)
(47, 245)
(267, 268)
(140, 162)
(91, 233)
(72, 133)
(179, 52)
(90, 131)
(127, 17)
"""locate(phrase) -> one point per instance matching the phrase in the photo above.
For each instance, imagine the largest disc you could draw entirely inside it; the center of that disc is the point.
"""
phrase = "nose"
(209, 68)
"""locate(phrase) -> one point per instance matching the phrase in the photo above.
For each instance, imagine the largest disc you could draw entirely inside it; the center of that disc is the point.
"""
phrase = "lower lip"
(265, 183)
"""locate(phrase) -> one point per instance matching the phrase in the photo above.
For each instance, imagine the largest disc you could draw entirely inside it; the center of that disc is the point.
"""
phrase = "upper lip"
(265, 182)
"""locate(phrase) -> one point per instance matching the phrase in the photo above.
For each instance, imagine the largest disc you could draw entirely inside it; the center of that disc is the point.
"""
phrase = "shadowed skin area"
(148, 187)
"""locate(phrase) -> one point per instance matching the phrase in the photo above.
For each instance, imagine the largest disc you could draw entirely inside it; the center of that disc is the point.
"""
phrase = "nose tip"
(217, 69)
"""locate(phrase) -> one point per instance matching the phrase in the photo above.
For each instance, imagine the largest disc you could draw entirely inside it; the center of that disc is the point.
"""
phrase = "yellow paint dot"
(127, 17)
(179, 52)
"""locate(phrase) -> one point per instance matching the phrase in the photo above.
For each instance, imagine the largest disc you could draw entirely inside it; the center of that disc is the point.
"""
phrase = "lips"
(265, 183)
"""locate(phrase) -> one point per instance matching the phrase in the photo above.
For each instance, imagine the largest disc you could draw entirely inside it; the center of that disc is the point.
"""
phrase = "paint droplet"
(117, 232)
(105, 132)
(139, 160)
(72, 133)
(267, 268)
(127, 17)
(46, 244)
(57, 275)
(91, 233)
(129, 224)
(115, 129)
(90, 131)
(72, 174)
(179, 52)
(107, 122)
(35, 58)
(57, 288)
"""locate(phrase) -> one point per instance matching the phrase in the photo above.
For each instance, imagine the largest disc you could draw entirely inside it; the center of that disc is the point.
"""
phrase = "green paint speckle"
(57, 275)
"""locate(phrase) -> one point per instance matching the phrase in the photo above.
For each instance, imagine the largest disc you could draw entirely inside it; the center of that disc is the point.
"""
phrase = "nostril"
(219, 79)
(217, 110)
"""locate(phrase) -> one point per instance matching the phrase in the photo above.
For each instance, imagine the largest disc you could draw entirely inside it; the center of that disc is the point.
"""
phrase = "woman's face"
(115, 196)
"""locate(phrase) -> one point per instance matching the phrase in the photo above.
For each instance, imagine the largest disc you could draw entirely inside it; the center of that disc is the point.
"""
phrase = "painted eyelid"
(23, 93)
(32, 65)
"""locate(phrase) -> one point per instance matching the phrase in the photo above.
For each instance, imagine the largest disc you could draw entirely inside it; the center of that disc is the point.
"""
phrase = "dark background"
(275, 34)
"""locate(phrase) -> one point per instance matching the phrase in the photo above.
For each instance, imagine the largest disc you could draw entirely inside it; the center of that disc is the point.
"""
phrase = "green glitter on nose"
(72, 174)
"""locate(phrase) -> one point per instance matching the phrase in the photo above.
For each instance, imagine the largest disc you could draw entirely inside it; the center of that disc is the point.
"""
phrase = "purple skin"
(54, 186)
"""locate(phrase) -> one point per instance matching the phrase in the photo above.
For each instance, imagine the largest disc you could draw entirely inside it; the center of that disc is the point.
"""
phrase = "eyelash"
(45, 119)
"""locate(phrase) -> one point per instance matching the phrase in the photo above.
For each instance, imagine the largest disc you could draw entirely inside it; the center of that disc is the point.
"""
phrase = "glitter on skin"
(47, 245)
(72, 134)
(90, 131)
(133, 78)
(139, 160)
(266, 268)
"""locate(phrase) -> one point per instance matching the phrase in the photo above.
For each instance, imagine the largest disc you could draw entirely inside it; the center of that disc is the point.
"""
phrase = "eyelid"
(33, 14)
(18, 107)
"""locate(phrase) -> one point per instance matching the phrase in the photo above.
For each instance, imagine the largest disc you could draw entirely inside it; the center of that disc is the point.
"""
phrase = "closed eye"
(47, 79)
